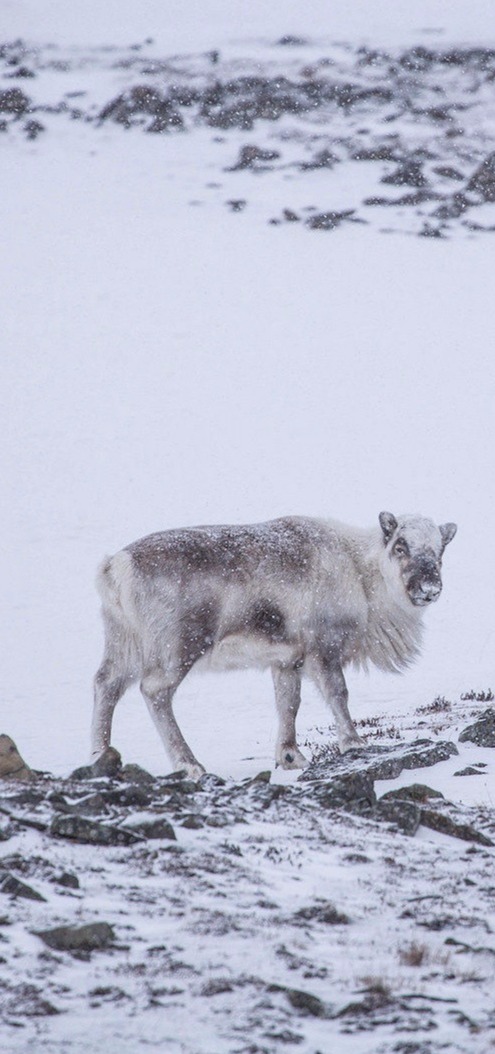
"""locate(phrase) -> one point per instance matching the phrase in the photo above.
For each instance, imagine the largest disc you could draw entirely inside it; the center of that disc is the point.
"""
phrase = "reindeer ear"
(448, 531)
(388, 524)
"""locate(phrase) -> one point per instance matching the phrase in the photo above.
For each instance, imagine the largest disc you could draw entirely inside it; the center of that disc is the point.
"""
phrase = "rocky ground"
(257, 916)
(402, 139)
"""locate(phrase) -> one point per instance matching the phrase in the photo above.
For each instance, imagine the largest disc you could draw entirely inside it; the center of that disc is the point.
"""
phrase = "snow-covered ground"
(168, 361)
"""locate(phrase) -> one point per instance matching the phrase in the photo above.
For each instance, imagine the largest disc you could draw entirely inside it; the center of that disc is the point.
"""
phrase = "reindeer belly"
(238, 651)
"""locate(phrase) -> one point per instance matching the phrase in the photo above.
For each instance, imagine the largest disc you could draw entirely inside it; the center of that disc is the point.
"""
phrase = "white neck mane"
(394, 631)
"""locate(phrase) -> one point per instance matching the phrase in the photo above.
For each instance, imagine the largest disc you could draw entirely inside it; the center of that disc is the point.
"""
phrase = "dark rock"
(33, 129)
(342, 790)
(89, 832)
(326, 913)
(158, 828)
(90, 804)
(382, 762)
(135, 774)
(24, 72)
(68, 880)
(453, 207)
(469, 771)
(193, 822)
(13, 886)
(237, 204)
(409, 173)
(428, 231)
(417, 792)
(406, 815)
(483, 731)
(217, 986)
(252, 157)
(135, 795)
(448, 173)
(290, 216)
(289, 41)
(445, 825)
(218, 819)
(323, 159)
(14, 101)
(261, 777)
(374, 1000)
(376, 153)
(92, 937)
(25, 1000)
(144, 101)
(12, 766)
(108, 765)
(328, 221)
(483, 180)
(307, 1004)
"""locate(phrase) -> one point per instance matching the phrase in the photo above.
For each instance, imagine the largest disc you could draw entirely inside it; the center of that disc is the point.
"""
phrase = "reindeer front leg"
(329, 678)
(287, 683)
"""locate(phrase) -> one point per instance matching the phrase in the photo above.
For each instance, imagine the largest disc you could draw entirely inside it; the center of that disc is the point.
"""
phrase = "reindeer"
(298, 595)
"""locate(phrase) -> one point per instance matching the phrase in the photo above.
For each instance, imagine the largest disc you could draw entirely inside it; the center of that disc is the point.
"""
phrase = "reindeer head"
(415, 545)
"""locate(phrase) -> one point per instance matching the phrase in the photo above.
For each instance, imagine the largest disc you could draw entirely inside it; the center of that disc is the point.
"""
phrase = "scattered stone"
(307, 1004)
(326, 913)
(237, 204)
(468, 771)
(158, 828)
(144, 101)
(323, 159)
(108, 765)
(25, 1000)
(193, 822)
(428, 231)
(255, 158)
(376, 999)
(469, 948)
(290, 216)
(14, 101)
(445, 825)
(134, 794)
(68, 880)
(15, 888)
(376, 153)
(409, 173)
(328, 221)
(92, 804)
(261, 777)
(380, 762)
(448, 173)
(91, 937)
(417, 792)
(12, 766)
(217, 986)
(135, 774)
(89, 832)
(483, 731)
(33, 129)
(483, 180)
(289, 41)
(453, 207)
(341, 791)
(406, 815)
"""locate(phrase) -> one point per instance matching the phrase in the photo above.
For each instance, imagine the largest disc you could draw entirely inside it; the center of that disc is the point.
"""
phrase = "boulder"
(12, 765)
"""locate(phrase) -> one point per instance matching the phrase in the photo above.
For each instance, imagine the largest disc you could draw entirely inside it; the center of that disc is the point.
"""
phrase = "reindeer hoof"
(290, 758)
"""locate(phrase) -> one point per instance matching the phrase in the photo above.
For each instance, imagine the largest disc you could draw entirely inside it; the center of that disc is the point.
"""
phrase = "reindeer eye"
(400, 548)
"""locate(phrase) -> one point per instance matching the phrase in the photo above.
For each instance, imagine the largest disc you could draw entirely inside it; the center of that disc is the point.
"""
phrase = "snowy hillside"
(247, 272)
